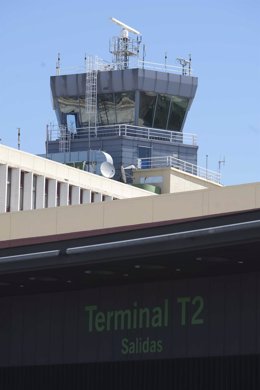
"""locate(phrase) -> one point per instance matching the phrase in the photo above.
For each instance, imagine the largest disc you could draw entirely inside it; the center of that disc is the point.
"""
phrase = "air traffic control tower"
(131, 109)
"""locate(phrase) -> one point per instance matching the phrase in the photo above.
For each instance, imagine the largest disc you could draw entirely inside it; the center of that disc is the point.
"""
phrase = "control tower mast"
(123, 47)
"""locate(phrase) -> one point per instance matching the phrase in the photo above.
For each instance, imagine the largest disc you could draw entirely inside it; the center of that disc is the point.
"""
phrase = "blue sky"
(223, 38)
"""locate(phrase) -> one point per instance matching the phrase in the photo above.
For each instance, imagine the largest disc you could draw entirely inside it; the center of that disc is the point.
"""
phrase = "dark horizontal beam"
(132, 248)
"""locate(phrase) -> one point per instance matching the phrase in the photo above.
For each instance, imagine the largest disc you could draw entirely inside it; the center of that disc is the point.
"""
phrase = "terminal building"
(123, 264)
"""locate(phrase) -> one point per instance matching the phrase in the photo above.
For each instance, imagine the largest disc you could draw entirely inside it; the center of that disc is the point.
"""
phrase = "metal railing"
(56, 132)
(162, 67)
(173, 162)
(102, 65)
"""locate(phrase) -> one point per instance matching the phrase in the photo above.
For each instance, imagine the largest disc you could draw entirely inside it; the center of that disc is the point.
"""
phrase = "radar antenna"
(125, 26)
(123, 47)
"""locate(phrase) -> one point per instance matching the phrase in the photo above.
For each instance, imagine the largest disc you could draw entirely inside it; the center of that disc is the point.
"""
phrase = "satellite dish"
(107, 169)
(107, 156)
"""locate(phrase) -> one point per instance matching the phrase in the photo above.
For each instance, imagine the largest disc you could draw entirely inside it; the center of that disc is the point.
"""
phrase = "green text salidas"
(127, 319)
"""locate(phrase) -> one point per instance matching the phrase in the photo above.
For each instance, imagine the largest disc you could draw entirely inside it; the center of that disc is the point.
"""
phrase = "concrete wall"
(171, 180)
(43, 168)
(127, 212)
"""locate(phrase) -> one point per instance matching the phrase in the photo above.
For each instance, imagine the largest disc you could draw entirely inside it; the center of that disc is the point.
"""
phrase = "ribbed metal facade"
(216, 373)
(197, 317)
(199, 332)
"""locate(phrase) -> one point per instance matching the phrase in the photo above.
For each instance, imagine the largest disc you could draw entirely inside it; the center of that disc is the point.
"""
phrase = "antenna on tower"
(18, 138)
(58, 65)
(184, 63)
(123, 47)
(220, 163)
(144, 54)
(207, 159)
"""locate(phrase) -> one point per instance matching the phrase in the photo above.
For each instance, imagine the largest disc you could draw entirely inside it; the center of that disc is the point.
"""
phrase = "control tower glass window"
(116, 108)
(68, 105)
(125, 106)
(162, 111)
(177, 112)
(146, 112)
(70, 112)
(83, 116)
(106, 109)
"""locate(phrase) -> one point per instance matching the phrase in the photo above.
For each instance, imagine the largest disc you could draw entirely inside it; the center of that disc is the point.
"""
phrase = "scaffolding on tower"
(123, 46)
